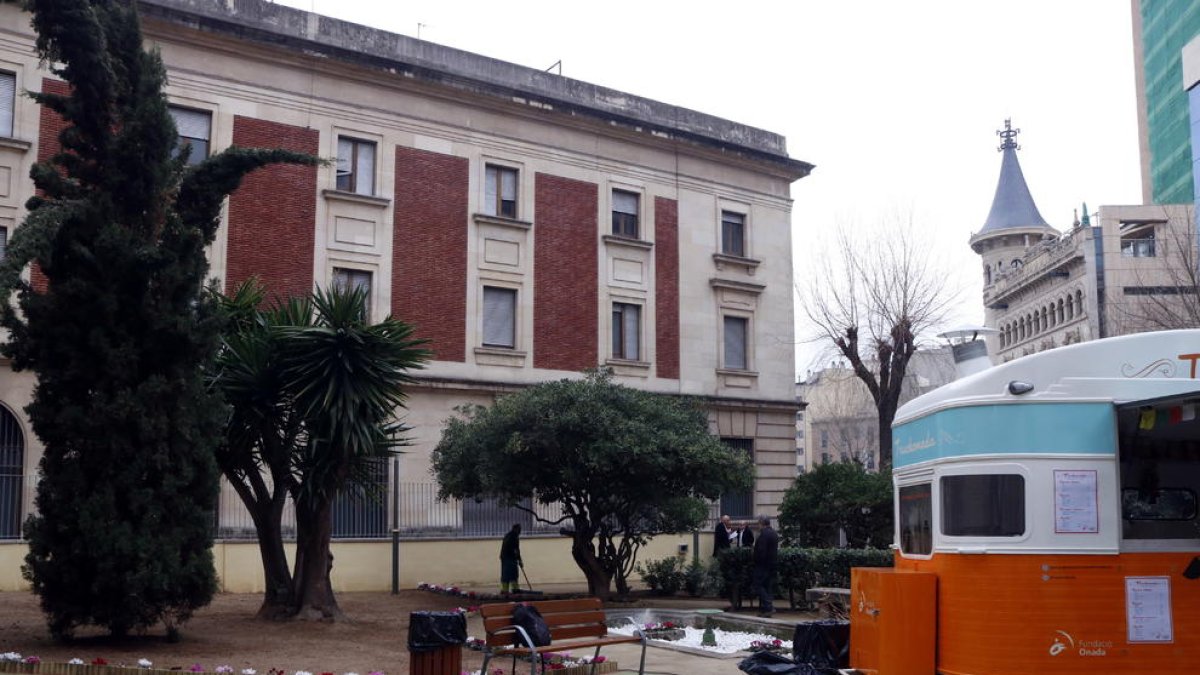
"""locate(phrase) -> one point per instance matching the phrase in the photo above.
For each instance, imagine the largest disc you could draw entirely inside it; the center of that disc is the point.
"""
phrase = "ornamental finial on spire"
(1008, 134)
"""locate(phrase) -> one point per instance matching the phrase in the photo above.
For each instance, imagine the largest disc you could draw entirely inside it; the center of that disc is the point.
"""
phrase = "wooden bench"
(573, 624)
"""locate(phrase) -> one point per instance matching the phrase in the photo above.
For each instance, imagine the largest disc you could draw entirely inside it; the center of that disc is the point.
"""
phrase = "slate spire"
(1013, 206)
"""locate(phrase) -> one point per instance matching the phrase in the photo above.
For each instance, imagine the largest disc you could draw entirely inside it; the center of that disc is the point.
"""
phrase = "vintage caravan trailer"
(1046, 519)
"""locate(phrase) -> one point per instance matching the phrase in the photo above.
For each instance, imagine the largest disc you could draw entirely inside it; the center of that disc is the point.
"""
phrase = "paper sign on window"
(1076, 507)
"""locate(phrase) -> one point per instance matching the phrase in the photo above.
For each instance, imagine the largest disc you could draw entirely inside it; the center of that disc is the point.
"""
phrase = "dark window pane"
(733, 236)
(983, 506)
(1161, 504)
(916, 519)
(739, 504)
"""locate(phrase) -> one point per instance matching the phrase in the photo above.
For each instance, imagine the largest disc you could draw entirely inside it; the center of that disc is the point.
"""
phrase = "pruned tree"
(623, 465)
(119, 334)
(873, 299)
(314, 389)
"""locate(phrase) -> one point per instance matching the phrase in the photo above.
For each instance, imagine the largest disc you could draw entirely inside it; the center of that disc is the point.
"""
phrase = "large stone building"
(1129, 271)
(532, 226)
(840, 422)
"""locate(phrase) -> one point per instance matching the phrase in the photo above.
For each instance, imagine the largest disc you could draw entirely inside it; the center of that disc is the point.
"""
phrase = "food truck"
(1046, 519)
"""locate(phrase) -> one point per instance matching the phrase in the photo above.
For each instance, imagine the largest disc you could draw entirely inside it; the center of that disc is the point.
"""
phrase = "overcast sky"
(896, 103)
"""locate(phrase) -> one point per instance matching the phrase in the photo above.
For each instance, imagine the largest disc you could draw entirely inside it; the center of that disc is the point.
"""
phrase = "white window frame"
(493, 189)
(198, 153)
(338, 267)
(8, 104)
(351, 167)
(618, 332)
(639, 219)
(514, 318)
(747, 346)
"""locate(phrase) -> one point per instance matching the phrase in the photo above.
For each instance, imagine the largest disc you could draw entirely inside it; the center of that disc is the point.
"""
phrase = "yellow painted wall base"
(367, 566)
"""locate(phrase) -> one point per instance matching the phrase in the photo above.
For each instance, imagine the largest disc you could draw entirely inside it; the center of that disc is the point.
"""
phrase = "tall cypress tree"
(120, 334)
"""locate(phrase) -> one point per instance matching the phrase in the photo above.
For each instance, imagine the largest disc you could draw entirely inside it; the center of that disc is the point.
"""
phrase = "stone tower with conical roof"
(1013, 225)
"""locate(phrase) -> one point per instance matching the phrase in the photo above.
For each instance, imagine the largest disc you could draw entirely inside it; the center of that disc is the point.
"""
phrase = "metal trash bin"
(435, 641)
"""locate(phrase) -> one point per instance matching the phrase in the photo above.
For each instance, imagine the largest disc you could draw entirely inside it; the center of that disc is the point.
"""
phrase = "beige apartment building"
(1123, 269)
(530, 225)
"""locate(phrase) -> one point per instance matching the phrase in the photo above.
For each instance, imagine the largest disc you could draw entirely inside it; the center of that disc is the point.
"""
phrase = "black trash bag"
(770, 663)
(429, 631)
(529, 618)
(822, 644)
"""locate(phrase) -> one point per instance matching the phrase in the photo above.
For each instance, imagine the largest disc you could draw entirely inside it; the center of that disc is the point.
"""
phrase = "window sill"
(483, 218)
(499, 356)
(355, 198)
(15, 144)
(723, 260)
(628, 367)
(614, 240)
(743, 286)
(741, 379)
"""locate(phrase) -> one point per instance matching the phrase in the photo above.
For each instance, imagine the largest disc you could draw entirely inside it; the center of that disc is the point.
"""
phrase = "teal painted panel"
(1060, 428)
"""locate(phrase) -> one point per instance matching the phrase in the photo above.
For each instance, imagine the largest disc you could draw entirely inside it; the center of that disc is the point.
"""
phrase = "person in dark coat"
(510, 560)
(721, 535)
(745, 536)
(766, 564)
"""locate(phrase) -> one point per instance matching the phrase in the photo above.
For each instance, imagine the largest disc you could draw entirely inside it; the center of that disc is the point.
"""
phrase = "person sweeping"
(510, 560)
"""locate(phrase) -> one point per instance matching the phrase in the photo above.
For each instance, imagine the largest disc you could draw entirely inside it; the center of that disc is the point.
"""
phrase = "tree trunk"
(313, 598)
(277, 596)
(887, 413)
(598, 579)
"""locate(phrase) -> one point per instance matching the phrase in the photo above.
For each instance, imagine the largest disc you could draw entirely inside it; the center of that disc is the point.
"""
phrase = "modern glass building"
(1161, 28)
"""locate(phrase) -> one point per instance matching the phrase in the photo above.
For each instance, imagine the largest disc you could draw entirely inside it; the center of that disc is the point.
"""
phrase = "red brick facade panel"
(50, 125)
(429, 250)
(566, 288)
(666, 287)
(273, 215)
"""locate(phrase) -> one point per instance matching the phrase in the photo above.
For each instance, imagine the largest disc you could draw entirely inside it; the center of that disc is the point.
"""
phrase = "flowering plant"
(144, 663)
(766, 645)
(662, 625)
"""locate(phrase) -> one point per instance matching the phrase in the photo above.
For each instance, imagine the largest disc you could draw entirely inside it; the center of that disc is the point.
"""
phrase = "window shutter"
(735, 343)
(499, 310)
(189, 123)
(489, 199)
(508, 185)
(365, 171)
(8, 97)
(632, 316)
(625, 202)
(345, 152)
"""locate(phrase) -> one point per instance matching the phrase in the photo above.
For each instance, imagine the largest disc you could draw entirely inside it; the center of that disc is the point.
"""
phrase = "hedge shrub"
(799, 568)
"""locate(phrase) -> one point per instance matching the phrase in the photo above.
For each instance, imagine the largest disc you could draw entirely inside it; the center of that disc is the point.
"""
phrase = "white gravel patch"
(728, 642)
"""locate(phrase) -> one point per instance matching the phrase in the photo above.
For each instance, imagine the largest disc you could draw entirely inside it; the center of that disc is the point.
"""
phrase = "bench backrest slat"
(567, 619)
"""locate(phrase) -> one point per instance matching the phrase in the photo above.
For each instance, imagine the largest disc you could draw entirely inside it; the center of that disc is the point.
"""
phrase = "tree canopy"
(119, 334)
(622, 464)
(314, 388)
(838, 496)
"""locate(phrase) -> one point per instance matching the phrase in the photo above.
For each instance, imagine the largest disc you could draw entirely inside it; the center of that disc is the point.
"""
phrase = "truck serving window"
(991, 505)
(916, 516)
(1160, 504)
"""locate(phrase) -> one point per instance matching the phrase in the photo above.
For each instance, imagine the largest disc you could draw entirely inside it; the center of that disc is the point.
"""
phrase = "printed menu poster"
(1148, 609)
(1076, 508)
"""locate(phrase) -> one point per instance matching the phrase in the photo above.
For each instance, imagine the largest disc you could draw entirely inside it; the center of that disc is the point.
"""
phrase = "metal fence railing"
(413, 510)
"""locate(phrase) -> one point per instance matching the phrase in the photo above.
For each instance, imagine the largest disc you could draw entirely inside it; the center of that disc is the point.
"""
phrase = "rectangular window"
(3, 243)
(625, 214)
(8, 102)
(501, 188)
(991, 505)
(499, 317)
(626, 331)
(739, 504)
(1159, 504)
(735, 343)
(195, 130)
(345, 278)
(916, 519)
(733, 233)
(356, 166)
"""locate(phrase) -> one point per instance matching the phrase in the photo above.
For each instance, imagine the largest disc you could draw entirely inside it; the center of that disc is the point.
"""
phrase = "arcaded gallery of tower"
(531, 226)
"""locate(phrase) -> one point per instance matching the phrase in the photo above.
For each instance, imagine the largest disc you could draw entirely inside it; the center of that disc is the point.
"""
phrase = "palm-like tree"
(314, 388)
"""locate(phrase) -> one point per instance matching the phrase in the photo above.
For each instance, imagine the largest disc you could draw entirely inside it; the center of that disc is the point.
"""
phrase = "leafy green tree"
(314, 389)
(119, 336)
(622, 464)
(833, 497)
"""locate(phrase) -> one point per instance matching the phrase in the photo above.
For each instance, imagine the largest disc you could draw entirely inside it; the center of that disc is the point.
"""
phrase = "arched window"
(12, 466)
(987, 275)
(1002, 338)
(1045, 321)
(1022, 329)
(1070, 307)
(1061, 316)
(1016, 264)
(1079, 302)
